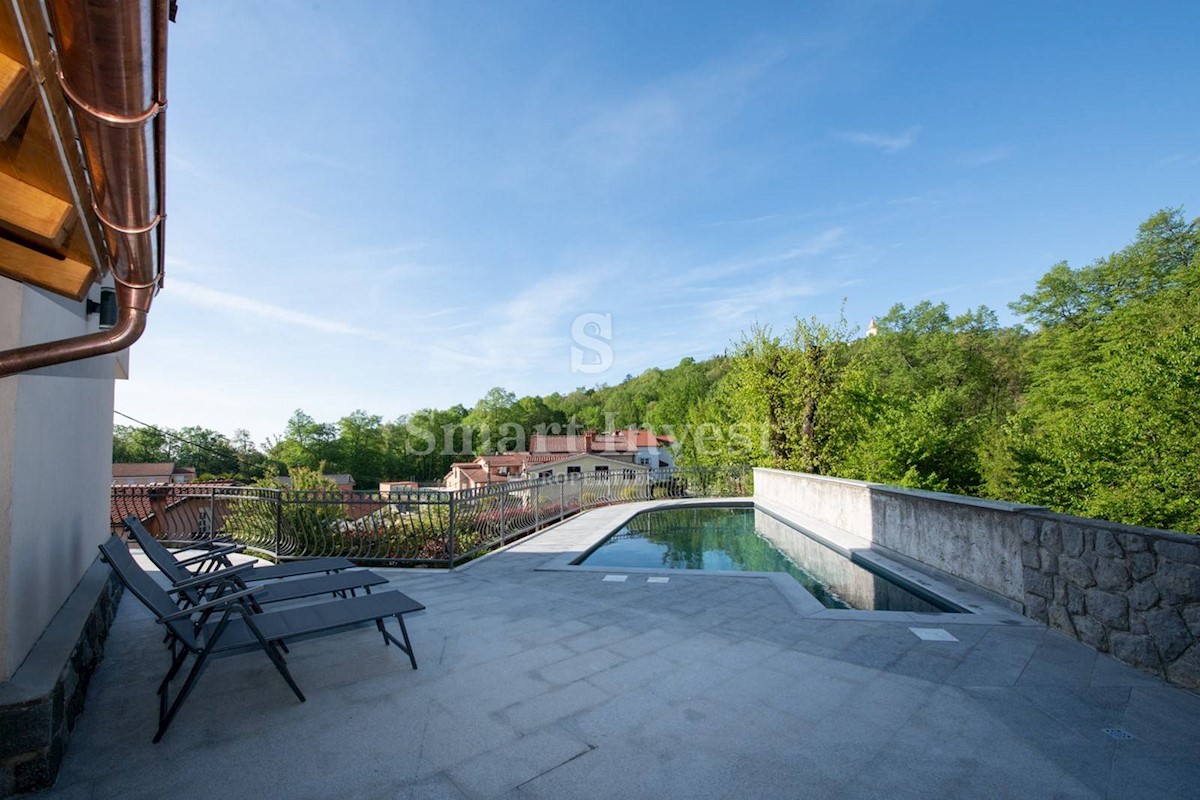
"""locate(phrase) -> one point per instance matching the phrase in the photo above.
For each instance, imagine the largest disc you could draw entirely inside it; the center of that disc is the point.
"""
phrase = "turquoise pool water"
(744, 539)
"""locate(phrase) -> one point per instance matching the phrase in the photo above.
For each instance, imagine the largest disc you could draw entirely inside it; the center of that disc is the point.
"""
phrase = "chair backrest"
(144, 588)
(160, 556)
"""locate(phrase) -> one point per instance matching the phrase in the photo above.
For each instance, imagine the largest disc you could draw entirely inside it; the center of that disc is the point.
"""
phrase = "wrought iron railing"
(402, 528)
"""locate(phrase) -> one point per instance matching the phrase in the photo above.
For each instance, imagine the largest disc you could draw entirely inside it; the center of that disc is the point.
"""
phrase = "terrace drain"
(934, 635)
(1117, 733)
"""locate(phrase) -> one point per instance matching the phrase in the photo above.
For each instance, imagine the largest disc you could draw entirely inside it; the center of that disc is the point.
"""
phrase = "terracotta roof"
(126, 500)
(612, 443)
(539, 443)
(514, 459)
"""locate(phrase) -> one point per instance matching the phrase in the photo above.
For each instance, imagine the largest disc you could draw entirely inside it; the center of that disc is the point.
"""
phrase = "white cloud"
(987, 155)
(887, 142)
(231, 303)
(816, 245)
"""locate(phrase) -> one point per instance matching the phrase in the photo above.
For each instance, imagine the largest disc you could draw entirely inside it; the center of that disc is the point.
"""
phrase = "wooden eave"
(46, 238)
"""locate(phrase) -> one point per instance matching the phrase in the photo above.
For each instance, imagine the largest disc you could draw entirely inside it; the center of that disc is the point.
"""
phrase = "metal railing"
(411, 527)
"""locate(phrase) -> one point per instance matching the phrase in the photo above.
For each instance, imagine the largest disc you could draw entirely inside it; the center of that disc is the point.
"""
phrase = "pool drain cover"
(1117, 733)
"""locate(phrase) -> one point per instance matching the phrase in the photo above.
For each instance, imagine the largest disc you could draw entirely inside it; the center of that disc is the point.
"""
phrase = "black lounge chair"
(199, 587)
(217, 557)
(229, 624)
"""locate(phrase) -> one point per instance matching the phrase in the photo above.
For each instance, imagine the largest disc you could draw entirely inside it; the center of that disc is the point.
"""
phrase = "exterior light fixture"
(107, 308)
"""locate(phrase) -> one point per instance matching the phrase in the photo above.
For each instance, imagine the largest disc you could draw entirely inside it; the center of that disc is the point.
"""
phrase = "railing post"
(503, 495)
(562, 497)
(450, 531)
(536, 497)
(278, 520)
(212, 517)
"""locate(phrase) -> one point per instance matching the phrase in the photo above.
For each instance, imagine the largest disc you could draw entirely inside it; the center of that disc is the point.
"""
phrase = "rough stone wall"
(34, 734)
(1132, 592)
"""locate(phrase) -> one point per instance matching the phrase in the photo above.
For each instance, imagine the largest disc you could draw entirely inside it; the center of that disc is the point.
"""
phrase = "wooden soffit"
(47, 239)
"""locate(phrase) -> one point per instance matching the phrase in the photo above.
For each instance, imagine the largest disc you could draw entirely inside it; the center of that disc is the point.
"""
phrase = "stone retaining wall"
(1132, 592)
(39, 705)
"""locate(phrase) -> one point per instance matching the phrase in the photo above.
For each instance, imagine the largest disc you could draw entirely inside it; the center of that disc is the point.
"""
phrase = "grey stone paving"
(553, 684)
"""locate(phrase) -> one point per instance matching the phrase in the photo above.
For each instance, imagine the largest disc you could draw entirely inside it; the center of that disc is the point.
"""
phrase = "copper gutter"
(112, 62)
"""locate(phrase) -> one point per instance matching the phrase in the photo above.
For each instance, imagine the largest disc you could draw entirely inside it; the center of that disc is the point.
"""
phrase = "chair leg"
(276, 659)
(387, 637)
(164, 720)
(407, 644)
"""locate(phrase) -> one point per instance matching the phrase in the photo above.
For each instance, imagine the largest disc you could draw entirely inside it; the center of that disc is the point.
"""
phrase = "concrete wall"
(1132, 592)
(978, 541)
(55, 468)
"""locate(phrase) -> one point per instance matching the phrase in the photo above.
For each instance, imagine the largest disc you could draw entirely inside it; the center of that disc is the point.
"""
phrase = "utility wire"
(170, 435)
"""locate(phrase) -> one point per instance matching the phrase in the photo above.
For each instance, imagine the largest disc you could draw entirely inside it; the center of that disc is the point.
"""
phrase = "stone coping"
(35, 679)
(944, 497)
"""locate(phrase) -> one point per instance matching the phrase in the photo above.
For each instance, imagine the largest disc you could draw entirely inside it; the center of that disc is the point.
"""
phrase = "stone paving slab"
(553, 684)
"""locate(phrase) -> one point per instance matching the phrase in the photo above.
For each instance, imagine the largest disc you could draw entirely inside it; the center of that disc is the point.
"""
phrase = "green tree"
(136, 445)
(1108, 426)
(361, 448)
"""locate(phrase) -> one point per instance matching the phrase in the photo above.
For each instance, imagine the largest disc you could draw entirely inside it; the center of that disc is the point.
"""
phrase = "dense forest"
(1089, 407)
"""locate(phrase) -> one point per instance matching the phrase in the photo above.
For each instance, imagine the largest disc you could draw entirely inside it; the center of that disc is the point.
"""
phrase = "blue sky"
(392, 206)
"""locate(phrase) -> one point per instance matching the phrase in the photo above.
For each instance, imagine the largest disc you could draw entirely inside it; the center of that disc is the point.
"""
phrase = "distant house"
(164, 472)
(470, 475)
(648, 448)
(343, 481)
(588, 464)
(633, 447)
(397, 486)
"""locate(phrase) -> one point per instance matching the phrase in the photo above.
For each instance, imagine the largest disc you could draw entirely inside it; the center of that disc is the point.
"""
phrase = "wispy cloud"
(618, 135)
(985, 156)
(887, 142)
(743, 304)
(526, 330)
(231, 303)
(1180, 160)
(815, 245)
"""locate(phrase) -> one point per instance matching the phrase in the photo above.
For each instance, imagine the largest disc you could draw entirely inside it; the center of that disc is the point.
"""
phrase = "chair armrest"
(210, 577)
(209, 555)
(221, 602)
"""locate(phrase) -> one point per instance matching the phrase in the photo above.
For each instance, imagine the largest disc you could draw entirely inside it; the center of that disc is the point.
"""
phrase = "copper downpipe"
(112, 69)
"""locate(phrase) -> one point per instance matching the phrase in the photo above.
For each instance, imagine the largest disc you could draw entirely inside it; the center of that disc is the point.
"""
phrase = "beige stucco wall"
(55, 468)
(586, 464)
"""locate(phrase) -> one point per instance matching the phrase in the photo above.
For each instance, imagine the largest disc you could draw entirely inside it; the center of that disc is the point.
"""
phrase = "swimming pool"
(745, 539)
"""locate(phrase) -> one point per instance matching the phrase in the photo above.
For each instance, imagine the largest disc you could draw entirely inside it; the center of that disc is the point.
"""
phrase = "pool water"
(744, 539)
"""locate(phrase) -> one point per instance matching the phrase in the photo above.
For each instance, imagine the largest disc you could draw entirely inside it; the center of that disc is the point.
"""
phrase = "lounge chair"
(196, 588)
(218, 558)
(229, 624)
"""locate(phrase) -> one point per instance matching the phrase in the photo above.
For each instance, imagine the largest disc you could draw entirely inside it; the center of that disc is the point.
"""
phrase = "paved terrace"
(557, 684)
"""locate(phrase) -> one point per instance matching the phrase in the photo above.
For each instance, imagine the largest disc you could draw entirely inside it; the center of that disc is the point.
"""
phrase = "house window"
(643, 460)
(601, 468)
(574, 469)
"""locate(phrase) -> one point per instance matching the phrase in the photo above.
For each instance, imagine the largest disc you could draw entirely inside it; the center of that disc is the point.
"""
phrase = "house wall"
(586, 463)
(55, 468)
